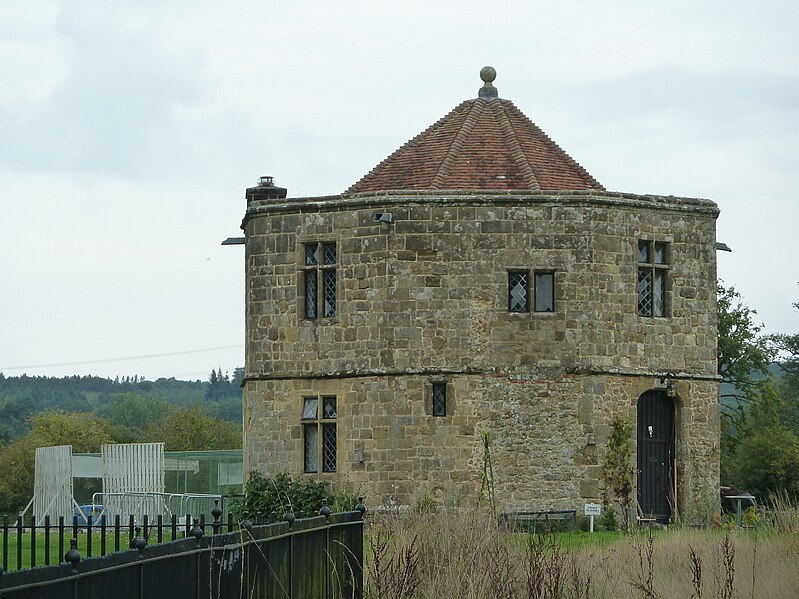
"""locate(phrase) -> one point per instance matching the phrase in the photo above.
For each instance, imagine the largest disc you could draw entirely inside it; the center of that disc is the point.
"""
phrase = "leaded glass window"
(311, 447)
(329, 277)
(329, 253)
(653, 268)
(518, 291)
(309, 408)
(310, 254)
(329, 447)
(545, 292)
(644, 292)
(319, 280)
(319, 433)
(439, 399)
(328, 407)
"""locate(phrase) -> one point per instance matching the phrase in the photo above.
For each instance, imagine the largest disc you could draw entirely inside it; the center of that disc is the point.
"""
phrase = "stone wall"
(424, 299)
(547, 435)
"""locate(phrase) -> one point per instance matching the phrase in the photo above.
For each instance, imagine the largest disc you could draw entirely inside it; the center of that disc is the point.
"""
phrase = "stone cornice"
(481, 198)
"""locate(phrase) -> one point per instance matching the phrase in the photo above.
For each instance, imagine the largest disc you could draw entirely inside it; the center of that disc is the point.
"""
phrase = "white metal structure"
(52, 483)
(133, 470)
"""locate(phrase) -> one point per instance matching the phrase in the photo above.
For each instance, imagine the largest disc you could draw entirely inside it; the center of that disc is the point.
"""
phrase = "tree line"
(22, 397)
(759, 401)
(87, 412)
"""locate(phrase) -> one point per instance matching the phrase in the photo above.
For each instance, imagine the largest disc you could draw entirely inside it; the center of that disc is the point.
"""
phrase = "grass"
(57, 555)
(464, 554)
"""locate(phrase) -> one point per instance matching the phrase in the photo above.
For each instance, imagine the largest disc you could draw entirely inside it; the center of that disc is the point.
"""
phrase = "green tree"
(747, 390)
(618, 472)
(769, 461)
(132, 411)
(192, 429)
(744, 354)
(786, 347)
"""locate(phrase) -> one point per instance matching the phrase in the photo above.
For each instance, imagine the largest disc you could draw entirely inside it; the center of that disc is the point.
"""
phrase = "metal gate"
(655, 455)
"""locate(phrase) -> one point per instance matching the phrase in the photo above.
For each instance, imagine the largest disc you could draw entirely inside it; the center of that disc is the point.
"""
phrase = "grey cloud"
(121, 87)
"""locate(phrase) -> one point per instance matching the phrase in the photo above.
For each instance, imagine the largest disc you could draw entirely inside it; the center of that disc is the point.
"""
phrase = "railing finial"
(325, 509)
(360, 507)
(73, 555)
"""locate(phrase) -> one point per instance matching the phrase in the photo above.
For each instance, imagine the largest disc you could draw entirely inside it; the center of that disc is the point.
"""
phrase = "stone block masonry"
(424, 300)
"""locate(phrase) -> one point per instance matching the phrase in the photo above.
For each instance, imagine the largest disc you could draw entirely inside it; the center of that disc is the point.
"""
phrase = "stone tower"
(480, 281)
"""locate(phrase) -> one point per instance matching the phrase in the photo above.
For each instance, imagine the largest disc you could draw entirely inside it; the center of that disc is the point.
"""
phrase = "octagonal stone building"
(480, 284)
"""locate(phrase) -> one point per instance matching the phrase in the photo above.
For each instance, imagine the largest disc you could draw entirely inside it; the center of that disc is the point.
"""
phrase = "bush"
(768, 462)
(608, 520)
(265, 495)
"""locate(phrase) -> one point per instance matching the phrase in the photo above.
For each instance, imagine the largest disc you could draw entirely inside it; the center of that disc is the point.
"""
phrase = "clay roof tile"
(482, 144)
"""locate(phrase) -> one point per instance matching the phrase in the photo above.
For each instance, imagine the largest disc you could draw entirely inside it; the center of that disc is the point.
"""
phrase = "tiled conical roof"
(483, 144)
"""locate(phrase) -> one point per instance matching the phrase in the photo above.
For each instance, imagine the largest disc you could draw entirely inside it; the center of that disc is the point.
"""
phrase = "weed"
(645, 581)
(696, 573)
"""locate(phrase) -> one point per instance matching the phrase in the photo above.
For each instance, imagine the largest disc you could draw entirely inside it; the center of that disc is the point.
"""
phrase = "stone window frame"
(533, 303)
(316, 267)
(319, 434)
(653, 272)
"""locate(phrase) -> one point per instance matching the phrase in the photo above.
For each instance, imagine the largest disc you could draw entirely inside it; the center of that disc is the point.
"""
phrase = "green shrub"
(584, 523)
(343, 501)
(608, 520)
(265, 495)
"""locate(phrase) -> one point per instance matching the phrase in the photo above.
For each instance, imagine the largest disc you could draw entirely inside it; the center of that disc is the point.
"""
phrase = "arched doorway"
(656, 455)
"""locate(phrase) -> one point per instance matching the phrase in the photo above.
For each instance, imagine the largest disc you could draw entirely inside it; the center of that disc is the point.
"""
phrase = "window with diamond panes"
(518, 291)
(319, 280)
(319, 434)
(653, 271)
(439, 399)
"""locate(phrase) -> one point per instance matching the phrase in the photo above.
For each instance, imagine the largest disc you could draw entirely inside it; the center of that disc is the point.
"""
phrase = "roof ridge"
(411, 143)
(464, 130)
(517, 152)
(587, 177)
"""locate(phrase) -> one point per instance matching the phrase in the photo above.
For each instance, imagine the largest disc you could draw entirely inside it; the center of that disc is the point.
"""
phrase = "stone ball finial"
(488, 91)
(488, 74)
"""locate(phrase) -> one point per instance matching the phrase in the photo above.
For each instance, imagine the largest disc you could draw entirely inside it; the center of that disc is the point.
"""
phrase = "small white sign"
(593, 509)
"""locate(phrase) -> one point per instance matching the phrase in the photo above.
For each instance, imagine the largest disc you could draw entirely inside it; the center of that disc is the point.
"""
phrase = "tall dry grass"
(464, 554)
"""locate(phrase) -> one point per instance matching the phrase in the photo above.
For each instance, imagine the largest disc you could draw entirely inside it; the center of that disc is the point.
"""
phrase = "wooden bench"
(530, 519)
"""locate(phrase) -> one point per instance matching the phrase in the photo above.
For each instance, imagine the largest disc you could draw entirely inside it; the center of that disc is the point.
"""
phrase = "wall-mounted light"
(671, 388)
(668, 385)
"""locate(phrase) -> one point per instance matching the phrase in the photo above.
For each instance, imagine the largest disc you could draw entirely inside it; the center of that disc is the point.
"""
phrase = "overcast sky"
(129, 131)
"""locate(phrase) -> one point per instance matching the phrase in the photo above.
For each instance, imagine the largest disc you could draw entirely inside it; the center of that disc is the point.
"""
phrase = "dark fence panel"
(346, 554)
(268, 568)
(119, 572)
(313, 557)
(309, 548)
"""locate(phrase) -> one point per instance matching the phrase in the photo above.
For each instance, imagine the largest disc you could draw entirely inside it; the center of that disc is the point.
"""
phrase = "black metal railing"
(318, 557)
(28, 543)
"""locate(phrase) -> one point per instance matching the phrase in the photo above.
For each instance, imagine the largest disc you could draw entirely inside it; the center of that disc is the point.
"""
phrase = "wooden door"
(655, 454)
